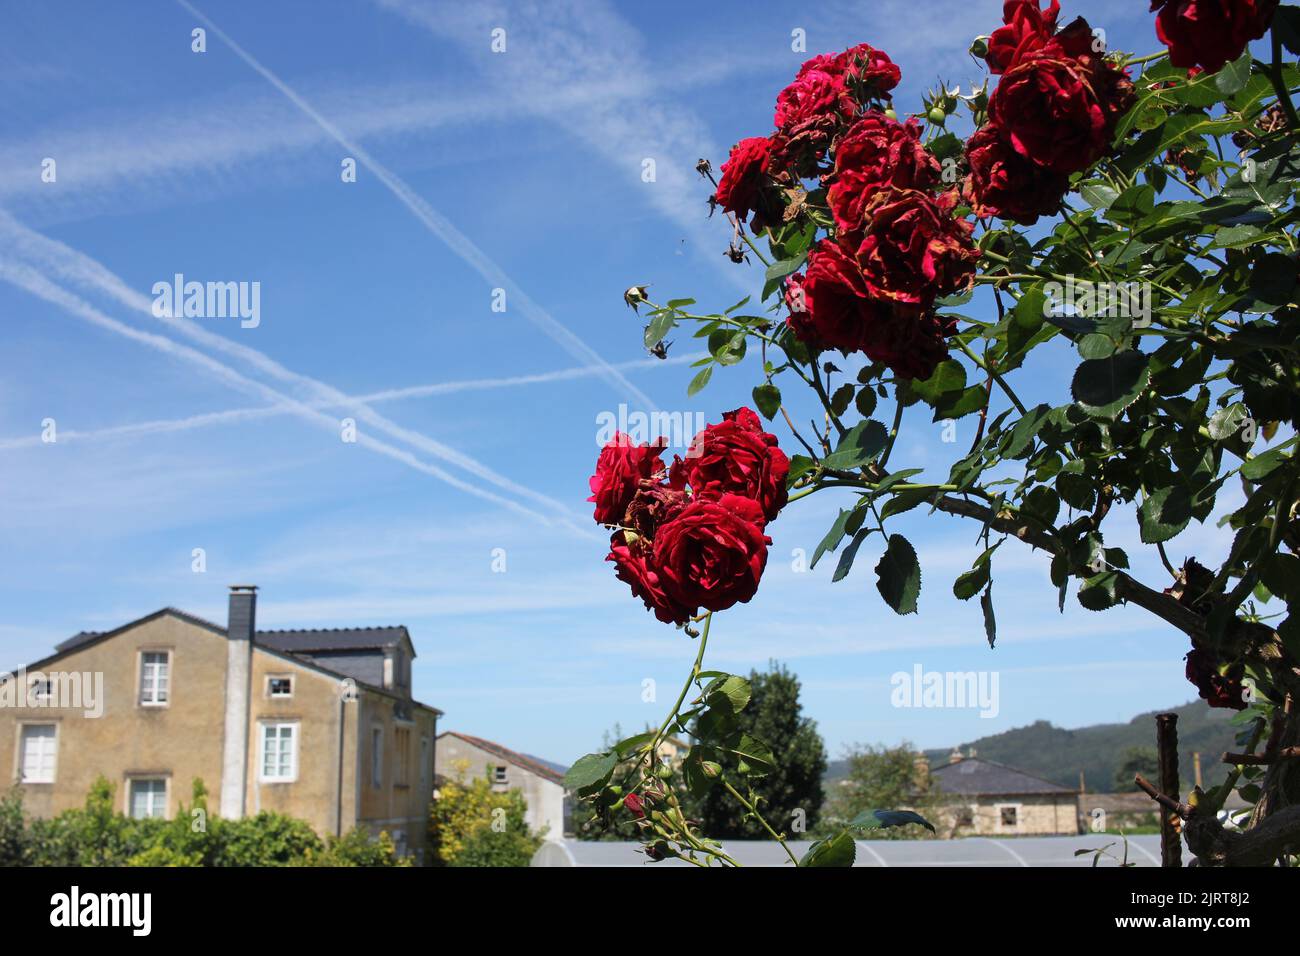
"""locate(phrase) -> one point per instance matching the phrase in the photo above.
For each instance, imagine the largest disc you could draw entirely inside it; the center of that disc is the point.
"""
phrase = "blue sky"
(477, 170)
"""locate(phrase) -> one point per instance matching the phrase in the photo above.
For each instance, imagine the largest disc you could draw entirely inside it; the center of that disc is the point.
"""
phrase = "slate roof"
(333, 638)
(975, 776)
(531, 764)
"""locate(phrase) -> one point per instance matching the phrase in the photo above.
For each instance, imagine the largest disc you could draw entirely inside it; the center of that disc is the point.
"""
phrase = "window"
(42, 690)
(1009, 816)
(37, 755)
(148, 798)
(279, 686)
(279, 753)
(377, 757)
(155, 677)
(964, 817)
(402, 756)
(498, 774)
(424, 762)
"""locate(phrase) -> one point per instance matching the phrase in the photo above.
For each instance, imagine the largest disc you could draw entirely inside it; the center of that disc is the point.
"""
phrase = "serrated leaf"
(767, 398)
(1100, 591)
(860, 444)
(590, 771)
(1105, 387)
(850, 554)
(1232, 78)
(990, 622)
(700, 380)
(1164, 514)
(839, 850)
(899, 575)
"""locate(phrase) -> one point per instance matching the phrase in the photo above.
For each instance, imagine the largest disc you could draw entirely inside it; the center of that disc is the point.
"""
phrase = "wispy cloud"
(32, 280)
(441, 227)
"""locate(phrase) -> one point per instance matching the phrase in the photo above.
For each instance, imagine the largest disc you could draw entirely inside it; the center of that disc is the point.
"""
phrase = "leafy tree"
(15, 841)
(882, 776)
(470, 824)
(791, 791)
(1135, 760)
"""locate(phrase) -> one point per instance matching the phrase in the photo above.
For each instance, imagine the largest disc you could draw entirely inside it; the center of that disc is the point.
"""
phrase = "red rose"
(1218, 690)
(1060, 111)
(1028, 28)
(1003, 183)
(829, 307)
(869, 68)
(736, 456)
(712, 554)
(620, 469)
(1209, 33)
(911, 341)
(876, 152)
(913, 248)
(743, 175)
(634, 566)
(809, 112)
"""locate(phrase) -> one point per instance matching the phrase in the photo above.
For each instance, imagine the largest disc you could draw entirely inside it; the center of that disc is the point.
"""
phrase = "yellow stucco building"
(318, 724)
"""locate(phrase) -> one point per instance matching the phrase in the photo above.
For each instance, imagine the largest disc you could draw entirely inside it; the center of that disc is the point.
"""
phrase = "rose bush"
(1164, 187)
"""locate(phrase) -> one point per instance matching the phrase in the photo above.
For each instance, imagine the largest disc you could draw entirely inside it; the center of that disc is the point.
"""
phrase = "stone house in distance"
(542, 785)
(983, 798)
(317, 724)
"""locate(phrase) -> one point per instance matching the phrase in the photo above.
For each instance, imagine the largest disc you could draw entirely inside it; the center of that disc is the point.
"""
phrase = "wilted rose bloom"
(876, 152)
(712, 554)
(737, 456)
(1060, 111)
(621, 467)
(913, 249)
(1217, 690)
(1005, 184)
(1209, 33)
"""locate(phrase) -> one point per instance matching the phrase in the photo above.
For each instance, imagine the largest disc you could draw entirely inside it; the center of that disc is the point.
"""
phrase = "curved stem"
(1279, 84)
(996, 377)
(759, 817)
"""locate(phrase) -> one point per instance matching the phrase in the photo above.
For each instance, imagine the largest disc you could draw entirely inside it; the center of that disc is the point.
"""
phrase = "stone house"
(983, 798)
(541, 784)
(317, 724)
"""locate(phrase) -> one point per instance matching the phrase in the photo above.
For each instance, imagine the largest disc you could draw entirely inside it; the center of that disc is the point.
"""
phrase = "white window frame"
(1020, 817)
(166, 682)
(265, 726)
(377, 757)
(271, 694)
(499, 774)
(21, 772)
(131, 782)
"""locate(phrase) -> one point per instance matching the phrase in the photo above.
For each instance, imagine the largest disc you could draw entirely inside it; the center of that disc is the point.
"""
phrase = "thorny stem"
(759, 817)
(988, 367)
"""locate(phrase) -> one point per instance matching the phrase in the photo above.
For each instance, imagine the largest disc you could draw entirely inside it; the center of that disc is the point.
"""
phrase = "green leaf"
(1273, 279)
(883, 819)
(850, 554)
(629, 745)
(1262, 465)
(590, 771)
(899, 575)
(700, 380)
(970, 583)
(730, 693)
(990, 622)
(1164, 514)
(865, 402)
(1098, 195)
(767, 398)
(659, 327)
(1286, 23)
(800, 465)
(755, 756)
(860, 444)
(1105, 387)
(832, 539)
(839, 850)
(1226, 422)
(1100, 591)
(1234, 76)
(948, 376)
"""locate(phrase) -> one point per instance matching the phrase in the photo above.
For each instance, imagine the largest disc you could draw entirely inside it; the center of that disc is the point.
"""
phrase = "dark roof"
(333, 638)
(296, 645)
(978, 777)
(531, 764)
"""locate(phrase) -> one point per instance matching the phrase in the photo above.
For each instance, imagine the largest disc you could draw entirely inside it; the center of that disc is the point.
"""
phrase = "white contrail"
(79, 268)
(236, 415)
(37, 284)
(441, 227)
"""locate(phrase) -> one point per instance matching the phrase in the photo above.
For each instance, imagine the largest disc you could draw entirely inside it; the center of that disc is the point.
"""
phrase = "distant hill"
(1058, 755)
